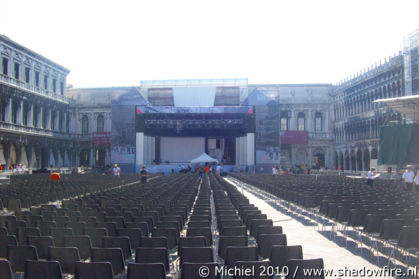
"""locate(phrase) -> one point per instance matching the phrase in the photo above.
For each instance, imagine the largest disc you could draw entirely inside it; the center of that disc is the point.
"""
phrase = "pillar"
(48, 127)
(243, 145)
(30, 116)
(250, 145)
(19, 118)
(139, 149)
(309, 127)
(8, 111)
(92, 157)
(237, 151)
(293, 121)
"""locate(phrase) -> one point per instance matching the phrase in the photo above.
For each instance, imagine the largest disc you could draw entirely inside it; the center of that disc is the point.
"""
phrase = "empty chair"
(268, 230)
(170, 224)
(199, 224)
(82, 242)
(61, 221)
(234, 231)
(373, 222)
(146, 271)
(58, 234)
(44, 226)
(205, 232)
(17, 255)
(5, 270)
(96, 235)
(152, 255)
(154, 242)
(192, 270)
(118, 242)
(171, 235)
(266, 242)
(261, 269)
(41, 243)
(22, 233)
(112, 255)
(119, 220)
(48, 269)
(235, 254)
(66, 256)
(196, 255)
(89, 270)
(134, 236)
(226, 241)
(78, 227)
(281, 254)
(228, 223)
(408, 237)
(254, 225)
(143, 226)
(4, 242)
(297, 267)
(390, 228)
(109, 226)
(191, 241)
(12, 225)
(3, 231)
(200, 217)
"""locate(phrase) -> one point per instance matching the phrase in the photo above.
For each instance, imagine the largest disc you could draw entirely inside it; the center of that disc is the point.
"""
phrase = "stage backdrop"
(181, 149)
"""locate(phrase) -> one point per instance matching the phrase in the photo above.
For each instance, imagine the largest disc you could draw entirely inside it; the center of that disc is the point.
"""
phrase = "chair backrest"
(5, 270)
(118, 242)
(89, 270)
(146, 271)
(235, 254)
(297, 268)
(170, 233)
(139, 225)
(205, 232)
(41, 243)
(109, 226)
(281, 254)
(17, 255)
(268, 230)
(408, 237)
(154, 242)
(390, 228)
(112, 255)
(194, 270)
(96, 235)
(58, 235)
(3, 231)
(266, 242)
(4, 241)
(48, 269)
(226, 241)
(191, 241)
(152, 255)
(233, 231)
(67, 256)
(22, 233)
(196, 255)
(133, 234)
(82, 242)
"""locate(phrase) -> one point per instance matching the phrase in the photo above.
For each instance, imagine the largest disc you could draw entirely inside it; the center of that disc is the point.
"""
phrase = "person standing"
(201, 171)
(116, 171)
(408, 177)
(370, 177)
(143, 175)
(416, 183)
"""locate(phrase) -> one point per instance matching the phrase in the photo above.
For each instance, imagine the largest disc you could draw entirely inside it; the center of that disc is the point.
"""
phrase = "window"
(100, 123)
(5, 63)
(44, 118)
(318, 122)
(301, 121)
(27, 75)
(84, 125)
(60, 121)
(62, 88)
(284, 121)
(25, 114)
(67, 125)
(46, 82)
(14, 112)
(36, 78)
(54, 85)
(35, 116)
(17, 71)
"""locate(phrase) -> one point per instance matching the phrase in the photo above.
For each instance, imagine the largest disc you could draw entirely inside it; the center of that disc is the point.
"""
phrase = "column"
(363, 161)
(309, 127)
(293, 121)
(139, 149)
(153, 150)
(237, 151)
(48, 127)
(243, 150)
(39, 118)
(30, 116)
(92, 157)
(19, 119)
(250, 149)
(326, 122)
(350, 159)
(310, 157)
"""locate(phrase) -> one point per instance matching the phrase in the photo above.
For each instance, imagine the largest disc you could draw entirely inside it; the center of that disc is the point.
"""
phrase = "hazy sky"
(120, 43)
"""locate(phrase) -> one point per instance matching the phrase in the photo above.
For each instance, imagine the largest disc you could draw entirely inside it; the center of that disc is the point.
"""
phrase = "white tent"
(204, 158)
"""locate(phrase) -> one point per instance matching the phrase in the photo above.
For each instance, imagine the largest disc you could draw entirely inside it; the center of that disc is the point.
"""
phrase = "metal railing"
(11, 127)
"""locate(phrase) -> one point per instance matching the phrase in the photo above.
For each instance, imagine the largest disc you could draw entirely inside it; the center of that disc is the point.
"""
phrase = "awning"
(407, 106)
(204, 158)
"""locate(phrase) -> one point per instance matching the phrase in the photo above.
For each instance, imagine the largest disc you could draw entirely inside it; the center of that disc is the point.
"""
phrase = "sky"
(119, 43)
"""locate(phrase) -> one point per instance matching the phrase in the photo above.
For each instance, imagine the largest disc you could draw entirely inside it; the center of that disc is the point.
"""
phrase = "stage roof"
(407, 106)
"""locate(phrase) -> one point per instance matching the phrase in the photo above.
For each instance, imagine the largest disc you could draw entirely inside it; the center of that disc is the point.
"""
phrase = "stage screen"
(181, 149)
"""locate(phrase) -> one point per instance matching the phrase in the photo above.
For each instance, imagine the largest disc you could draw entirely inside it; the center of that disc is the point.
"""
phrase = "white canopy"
(204, 158)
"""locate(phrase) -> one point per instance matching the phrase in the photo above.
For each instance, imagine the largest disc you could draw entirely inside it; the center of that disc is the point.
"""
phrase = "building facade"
(356, 117)
(36, 118)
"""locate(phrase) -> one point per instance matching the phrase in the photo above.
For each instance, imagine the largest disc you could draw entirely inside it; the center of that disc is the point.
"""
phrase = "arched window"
(301, 121)
(84, 125)
(100, 123)
(284, 121)
(318, 122)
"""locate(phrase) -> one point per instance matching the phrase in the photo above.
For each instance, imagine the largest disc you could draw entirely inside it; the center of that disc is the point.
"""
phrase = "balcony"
(320, 135)
(34, 131)
(9, 81)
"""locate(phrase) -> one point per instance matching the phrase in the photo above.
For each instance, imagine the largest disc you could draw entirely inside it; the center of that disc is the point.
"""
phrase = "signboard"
(102, 139)
(294, 137)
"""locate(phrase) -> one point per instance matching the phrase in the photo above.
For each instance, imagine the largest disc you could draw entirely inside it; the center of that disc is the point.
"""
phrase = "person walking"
(200, 171)
(370, 177)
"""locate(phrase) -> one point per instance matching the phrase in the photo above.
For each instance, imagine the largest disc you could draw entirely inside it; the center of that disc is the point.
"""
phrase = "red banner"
(294, 137)
(102, 139)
